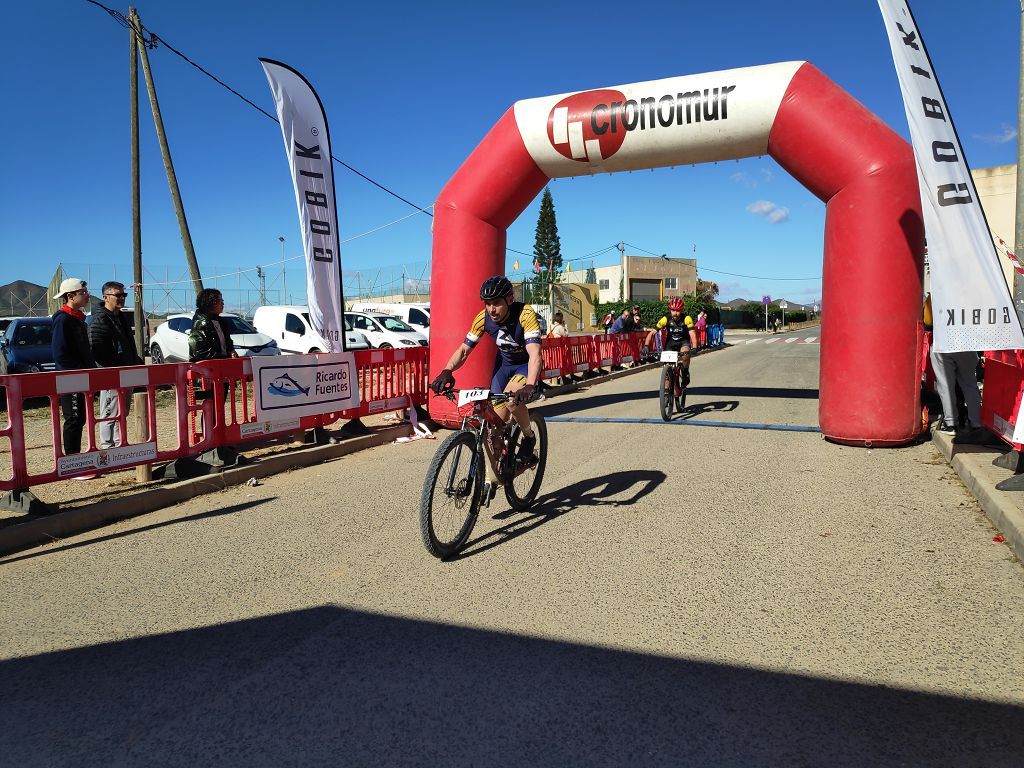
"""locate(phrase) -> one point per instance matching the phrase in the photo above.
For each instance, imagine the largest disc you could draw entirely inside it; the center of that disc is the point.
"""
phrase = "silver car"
(170, 342)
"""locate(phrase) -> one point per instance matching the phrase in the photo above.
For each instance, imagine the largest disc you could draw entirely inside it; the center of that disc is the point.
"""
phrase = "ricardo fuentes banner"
(307, 144)
(971, 302)
(292, 386)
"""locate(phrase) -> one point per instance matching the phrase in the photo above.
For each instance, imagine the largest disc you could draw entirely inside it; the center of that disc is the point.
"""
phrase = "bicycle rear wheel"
(521, 490)
(665, 392)
(451, 495)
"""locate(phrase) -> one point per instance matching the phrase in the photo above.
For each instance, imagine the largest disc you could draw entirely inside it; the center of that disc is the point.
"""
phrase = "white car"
(416, 315)
(291, 328)
(384, 331)
(170, 342)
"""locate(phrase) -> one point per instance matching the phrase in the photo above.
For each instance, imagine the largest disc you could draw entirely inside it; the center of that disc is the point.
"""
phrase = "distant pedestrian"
(71, 352)
(609, 320)
(558, 329)
(113, 344)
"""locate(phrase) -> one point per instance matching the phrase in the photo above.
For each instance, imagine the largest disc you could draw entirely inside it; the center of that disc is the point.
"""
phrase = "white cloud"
(774, 213)
(1005, 136)
(763, 176)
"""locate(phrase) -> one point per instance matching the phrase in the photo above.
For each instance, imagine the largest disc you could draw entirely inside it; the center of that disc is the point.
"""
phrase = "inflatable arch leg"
(861, 169)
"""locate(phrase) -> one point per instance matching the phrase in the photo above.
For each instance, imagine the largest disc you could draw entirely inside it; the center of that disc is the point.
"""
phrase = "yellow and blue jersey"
(678, 334)
(511, 337)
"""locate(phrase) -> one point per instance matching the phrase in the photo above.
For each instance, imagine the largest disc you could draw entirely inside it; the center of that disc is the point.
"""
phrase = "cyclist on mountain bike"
(517, 366)
(680, 337)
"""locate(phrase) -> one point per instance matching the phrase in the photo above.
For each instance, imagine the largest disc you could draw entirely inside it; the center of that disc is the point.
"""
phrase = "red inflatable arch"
(861, 169)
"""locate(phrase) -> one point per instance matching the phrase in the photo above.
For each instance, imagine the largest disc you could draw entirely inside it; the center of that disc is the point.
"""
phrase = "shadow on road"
(333, 686)
(596, 401)
(694, 410)
(230, 510)
(618, 489)
(805, 394)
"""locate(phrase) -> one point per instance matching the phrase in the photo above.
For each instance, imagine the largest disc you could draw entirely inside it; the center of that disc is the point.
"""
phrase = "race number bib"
(670, 357)
(467, 396)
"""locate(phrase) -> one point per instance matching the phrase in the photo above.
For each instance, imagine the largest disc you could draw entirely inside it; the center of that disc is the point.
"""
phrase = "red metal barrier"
(1000, 402)
(226, 402)
(215, 402)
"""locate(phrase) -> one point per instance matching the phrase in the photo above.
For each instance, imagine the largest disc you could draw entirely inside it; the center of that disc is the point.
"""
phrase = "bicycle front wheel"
(451, 495)
(665, 392)
(522, 489)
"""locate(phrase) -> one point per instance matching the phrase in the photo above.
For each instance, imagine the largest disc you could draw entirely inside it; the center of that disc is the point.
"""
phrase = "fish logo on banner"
(307, 144)
(971, 302)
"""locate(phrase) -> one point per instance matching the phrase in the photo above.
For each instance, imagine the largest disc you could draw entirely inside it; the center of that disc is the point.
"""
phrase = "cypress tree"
(547, 248)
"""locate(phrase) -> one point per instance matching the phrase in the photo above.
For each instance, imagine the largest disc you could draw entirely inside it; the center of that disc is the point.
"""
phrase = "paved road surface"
(681, 595)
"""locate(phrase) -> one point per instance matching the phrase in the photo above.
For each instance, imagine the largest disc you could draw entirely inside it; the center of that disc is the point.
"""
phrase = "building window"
(671, 283)
(602, 284)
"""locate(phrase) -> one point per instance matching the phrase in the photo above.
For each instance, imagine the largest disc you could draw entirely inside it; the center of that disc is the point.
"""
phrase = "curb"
(43, 530)
(973, 463)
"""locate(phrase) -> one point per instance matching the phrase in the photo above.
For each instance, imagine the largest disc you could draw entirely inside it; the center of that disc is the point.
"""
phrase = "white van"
(384, 331)
(416, 315)
(291, 328)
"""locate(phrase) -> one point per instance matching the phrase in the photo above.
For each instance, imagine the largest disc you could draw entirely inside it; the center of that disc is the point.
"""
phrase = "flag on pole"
(971, 301)
(515, 265)
(568, 268)
(307, 144)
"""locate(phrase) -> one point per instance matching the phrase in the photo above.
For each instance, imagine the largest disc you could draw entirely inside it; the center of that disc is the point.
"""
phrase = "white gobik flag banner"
(971, 303)
(308, 146)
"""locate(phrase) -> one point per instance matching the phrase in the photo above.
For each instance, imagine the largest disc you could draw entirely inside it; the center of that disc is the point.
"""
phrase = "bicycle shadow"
(593, 492)
(700, 409)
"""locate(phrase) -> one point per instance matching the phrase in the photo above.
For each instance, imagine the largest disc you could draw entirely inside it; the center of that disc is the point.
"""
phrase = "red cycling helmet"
(676, 305)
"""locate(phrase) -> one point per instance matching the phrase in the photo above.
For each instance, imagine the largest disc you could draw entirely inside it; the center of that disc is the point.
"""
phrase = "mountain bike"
(672, 371)
(471, 464)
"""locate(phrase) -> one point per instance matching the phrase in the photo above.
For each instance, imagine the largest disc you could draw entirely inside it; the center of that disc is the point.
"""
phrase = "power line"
(155, 39)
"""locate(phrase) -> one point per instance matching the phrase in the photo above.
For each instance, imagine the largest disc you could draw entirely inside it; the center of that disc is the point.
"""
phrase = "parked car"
(291, 328)
(25, 346)
(4, 322)
(416, 315)
(170, 342)
(385, 331)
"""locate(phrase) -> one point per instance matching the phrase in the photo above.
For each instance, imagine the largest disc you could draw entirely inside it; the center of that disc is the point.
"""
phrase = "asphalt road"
(681, 594)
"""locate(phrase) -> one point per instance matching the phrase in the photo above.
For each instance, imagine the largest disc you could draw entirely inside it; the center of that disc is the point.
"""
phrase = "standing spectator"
(558, 329)
(210, 337)
(71, 351)
(701, 327)
(624, 323)
(113, 344)
(609, 319)
(952, 369)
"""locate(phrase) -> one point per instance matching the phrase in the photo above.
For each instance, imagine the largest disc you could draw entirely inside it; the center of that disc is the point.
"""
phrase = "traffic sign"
(783, 305)
(766, 299)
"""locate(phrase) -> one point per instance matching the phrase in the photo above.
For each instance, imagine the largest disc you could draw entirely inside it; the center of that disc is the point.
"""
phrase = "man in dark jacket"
(71, 351)
(210, 337)
(113, 344)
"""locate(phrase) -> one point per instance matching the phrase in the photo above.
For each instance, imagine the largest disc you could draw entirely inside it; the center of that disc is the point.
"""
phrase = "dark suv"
(25, 346)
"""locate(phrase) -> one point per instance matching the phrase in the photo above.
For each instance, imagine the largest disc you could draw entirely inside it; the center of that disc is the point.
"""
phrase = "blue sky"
(410, 89)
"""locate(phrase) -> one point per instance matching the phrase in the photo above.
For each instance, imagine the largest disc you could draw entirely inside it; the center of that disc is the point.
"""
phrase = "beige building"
(997, 188)
(642, 278)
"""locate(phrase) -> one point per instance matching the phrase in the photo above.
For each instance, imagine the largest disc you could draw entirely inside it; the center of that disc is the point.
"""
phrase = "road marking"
(753, 341)
(771, 341)
(810, 339)
(790, 341)
(682, 423)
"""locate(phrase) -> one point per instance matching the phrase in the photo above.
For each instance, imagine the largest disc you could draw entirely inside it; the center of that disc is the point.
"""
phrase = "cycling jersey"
(678, 333)
(511, 336)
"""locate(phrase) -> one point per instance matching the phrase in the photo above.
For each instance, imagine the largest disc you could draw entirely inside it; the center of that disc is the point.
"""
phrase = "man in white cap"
(71, 351)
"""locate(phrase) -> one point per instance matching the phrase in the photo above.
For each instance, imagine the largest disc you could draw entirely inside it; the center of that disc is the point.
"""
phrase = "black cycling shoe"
(525, 454)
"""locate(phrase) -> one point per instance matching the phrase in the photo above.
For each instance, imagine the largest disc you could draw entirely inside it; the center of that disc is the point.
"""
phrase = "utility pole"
(1018, 233)
(263, 284)
(622, 270)
(284, 275)
(172, 179)
(140, 400)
